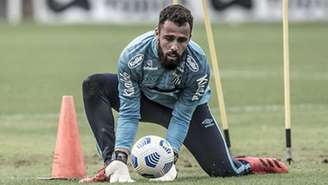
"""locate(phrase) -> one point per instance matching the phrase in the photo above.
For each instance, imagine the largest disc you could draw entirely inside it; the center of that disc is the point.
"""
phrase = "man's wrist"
(120, 155)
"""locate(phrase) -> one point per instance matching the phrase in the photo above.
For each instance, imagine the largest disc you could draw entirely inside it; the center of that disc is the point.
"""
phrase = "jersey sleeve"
(129, 95)
(188, 101)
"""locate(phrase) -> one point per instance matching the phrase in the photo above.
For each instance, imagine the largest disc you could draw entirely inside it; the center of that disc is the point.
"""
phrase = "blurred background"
(43, 40)
(145, 11)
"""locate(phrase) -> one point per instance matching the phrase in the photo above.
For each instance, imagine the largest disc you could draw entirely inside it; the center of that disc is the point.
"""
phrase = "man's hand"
(169, 176)
(118, 171)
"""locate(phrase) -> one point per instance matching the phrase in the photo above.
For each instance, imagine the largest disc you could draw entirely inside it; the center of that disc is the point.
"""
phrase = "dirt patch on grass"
(185, 162)
(20, 161)
(324, 158)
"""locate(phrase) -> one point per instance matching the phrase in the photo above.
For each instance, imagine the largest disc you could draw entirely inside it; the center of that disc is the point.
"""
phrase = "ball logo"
(152, 159)
(167, 166)
(135, 61)
(134, 161)
(192, 64)
(165, 146)
(144, 142)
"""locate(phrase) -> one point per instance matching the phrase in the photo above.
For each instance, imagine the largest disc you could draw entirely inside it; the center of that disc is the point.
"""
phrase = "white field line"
(248, 74)
(232, 109)
(273, 108)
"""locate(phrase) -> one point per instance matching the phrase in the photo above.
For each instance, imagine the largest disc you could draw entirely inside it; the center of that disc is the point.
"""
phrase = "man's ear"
(157, 31)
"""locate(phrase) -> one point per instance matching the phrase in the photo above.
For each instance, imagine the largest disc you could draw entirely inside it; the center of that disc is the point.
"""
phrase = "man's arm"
(127, 124)
(129, 112)
(188, 101)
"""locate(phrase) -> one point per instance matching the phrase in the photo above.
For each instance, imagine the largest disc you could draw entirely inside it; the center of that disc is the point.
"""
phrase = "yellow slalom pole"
(286, 82)
(216, 72)
(175, 1)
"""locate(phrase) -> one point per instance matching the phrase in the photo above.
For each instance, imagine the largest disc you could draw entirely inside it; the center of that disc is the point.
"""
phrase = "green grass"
(40, 64)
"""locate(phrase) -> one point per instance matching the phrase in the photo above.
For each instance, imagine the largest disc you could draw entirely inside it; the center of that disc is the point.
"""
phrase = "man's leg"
(100, 95)
(204, 139)
(206, 142)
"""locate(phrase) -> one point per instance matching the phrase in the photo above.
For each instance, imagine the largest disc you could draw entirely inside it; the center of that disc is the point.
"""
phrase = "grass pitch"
(40, 64)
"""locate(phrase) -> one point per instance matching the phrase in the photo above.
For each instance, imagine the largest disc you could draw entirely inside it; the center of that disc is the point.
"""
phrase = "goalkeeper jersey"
(181, 89)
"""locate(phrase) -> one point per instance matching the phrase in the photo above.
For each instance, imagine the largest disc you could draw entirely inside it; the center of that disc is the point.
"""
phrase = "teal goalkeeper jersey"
(182, 89)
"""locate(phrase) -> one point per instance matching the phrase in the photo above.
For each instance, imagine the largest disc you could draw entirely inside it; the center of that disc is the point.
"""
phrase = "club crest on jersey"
(176, 78)
(192, 64)
(135, 61)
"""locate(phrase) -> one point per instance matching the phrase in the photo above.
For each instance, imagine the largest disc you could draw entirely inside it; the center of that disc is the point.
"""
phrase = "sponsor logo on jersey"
(202, 84)
(135, 61)
(208, 122)
(192, 64)
(127, 84)
(150, 66)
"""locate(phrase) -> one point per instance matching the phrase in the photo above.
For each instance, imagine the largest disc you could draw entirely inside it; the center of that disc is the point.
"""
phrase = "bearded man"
(162, 78)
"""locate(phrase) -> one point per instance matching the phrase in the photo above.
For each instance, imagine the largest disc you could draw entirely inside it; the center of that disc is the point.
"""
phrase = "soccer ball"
(152, 156)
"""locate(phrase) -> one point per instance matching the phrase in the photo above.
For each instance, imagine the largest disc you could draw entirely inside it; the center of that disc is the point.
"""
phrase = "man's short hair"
(177, 14)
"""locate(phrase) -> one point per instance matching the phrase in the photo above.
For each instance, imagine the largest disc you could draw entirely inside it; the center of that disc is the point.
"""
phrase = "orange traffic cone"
(68, 162)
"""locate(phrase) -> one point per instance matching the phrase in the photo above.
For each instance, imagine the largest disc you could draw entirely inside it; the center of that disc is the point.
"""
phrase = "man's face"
(172, 42)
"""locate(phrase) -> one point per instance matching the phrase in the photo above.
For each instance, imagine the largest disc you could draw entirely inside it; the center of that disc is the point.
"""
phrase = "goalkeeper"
(162, 78)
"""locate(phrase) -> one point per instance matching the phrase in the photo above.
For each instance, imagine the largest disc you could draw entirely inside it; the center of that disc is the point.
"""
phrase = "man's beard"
(167, 63)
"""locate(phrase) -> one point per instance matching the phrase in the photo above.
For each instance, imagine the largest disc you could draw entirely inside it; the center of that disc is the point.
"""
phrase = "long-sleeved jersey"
(181, 89)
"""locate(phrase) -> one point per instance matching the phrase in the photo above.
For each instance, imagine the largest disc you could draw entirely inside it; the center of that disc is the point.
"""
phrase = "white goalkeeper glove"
(169, 176)
(117, 170)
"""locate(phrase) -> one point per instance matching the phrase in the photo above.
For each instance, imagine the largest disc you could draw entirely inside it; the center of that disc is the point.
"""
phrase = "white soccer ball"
(152, 156)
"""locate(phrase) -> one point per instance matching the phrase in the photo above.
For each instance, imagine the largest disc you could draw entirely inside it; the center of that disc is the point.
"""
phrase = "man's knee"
(92, 84)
